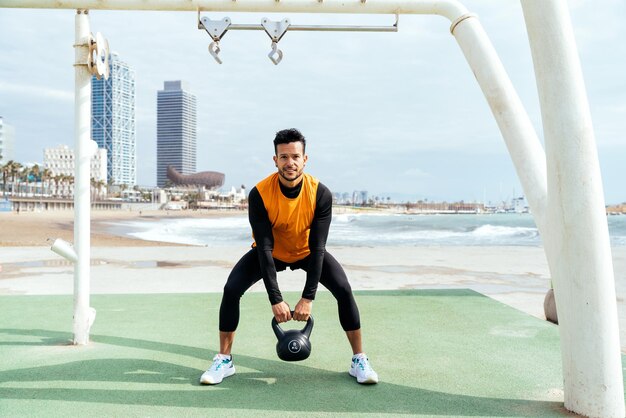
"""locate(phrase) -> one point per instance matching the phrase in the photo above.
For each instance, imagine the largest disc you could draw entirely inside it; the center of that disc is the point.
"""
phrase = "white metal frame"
(563, 185)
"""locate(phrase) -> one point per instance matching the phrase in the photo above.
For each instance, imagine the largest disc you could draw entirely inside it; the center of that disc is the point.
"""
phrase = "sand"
(36, 228)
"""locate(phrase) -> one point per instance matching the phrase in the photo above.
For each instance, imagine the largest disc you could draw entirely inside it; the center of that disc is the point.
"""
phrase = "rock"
(549, 307)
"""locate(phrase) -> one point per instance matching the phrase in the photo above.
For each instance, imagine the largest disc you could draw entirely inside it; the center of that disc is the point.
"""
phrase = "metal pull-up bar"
(275, 30)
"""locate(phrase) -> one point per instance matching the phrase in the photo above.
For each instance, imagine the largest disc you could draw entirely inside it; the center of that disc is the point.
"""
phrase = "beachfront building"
(113, 121)
(60, 163)
(176, 130)
(7, 141)
(215, 199)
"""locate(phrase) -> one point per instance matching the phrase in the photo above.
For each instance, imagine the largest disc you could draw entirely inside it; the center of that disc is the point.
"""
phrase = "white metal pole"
(517, 130)
(448, 8)
(578, 239)
(83, 315)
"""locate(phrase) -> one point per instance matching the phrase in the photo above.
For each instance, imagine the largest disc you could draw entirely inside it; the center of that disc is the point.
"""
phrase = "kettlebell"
(293, 345)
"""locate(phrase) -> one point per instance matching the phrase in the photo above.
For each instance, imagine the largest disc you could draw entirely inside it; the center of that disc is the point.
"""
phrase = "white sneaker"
(222, 367)
(361, 369)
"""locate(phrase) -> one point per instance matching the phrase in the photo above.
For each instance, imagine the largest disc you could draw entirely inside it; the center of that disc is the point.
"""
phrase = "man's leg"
(226, 341)
(335, 280)
(355, 341)
(245, 273)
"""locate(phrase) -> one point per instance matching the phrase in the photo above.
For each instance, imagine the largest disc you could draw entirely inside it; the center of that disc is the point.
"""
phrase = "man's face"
(290, 161)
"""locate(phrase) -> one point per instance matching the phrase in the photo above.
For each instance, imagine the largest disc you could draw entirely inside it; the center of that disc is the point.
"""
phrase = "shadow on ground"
(273, 385)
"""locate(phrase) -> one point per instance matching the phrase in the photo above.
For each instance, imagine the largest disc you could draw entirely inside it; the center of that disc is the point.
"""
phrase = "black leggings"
(247, 272)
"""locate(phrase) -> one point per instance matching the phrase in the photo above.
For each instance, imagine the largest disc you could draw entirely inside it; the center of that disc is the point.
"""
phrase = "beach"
(514, 275)
(36, 228)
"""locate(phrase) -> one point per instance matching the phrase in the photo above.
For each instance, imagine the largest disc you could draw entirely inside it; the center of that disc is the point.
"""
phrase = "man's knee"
(343, 293)
(232, 291)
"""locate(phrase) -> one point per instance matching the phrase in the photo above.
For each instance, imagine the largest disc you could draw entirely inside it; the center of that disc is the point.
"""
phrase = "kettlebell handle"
(278, 331)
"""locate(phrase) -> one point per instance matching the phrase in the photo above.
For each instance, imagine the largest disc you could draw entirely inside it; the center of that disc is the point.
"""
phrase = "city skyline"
(396, 114)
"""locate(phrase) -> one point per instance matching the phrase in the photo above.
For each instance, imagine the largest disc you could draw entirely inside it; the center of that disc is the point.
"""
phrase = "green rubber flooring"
(437, 352)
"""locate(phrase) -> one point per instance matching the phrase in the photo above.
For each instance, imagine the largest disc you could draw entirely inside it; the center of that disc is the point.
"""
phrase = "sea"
(371, 229)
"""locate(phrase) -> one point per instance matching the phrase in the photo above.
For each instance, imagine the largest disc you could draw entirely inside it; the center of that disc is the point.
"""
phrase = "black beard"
(280, 173)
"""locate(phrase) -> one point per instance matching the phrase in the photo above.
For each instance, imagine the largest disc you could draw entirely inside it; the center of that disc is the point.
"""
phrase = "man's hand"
(303, 310)
(282, 312)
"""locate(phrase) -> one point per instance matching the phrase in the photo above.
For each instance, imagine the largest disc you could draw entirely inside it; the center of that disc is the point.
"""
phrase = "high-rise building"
(176, 130)
(113, 121)
(7, 142)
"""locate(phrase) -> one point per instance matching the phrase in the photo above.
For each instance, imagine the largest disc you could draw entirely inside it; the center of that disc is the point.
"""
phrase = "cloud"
(416, 173)
(37, 92)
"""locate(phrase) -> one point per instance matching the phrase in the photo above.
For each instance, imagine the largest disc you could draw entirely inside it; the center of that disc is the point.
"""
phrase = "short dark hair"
(289, 135)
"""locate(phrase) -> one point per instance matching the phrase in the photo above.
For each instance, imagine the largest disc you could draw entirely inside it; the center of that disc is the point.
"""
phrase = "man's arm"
(262, 229)
(317, 240)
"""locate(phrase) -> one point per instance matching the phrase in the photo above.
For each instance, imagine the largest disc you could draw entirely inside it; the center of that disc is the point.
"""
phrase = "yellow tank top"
(290, 218)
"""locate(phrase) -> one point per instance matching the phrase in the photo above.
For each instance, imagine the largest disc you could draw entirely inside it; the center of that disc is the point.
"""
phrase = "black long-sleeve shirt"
(262, 229)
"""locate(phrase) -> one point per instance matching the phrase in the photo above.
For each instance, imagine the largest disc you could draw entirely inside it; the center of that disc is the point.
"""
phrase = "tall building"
(7, 142)
(113, 121)
(176, 130)
(359, 197)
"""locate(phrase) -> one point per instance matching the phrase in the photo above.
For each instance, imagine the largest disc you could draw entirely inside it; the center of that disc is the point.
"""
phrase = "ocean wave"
(166, 236)
(360, 230)
(489, 230)
(432, 237)
(355, 217)
(344, 218)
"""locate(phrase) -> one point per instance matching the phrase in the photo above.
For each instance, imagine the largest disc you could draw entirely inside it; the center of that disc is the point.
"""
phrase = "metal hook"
(214, 49)
(216, 30)
(275, 51)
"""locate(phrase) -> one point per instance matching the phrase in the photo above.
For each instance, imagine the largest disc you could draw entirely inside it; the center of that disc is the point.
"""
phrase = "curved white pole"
(578, 238)
(517, 130)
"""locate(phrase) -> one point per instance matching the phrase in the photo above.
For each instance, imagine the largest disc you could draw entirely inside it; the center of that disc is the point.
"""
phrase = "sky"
(396, 114)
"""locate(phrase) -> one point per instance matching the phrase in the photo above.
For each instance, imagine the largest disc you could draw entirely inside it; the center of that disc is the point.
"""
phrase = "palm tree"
(35, 171)
(55, 182)
(5, 175)
(96, 188)
(14, 170)
(92, 188)
(60, 182)
(45, 181)
(23, 180)
(64, 184)
(102, 188)
(71, 183)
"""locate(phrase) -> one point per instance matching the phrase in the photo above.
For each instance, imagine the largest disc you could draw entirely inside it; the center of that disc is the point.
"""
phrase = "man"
(290, 214)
